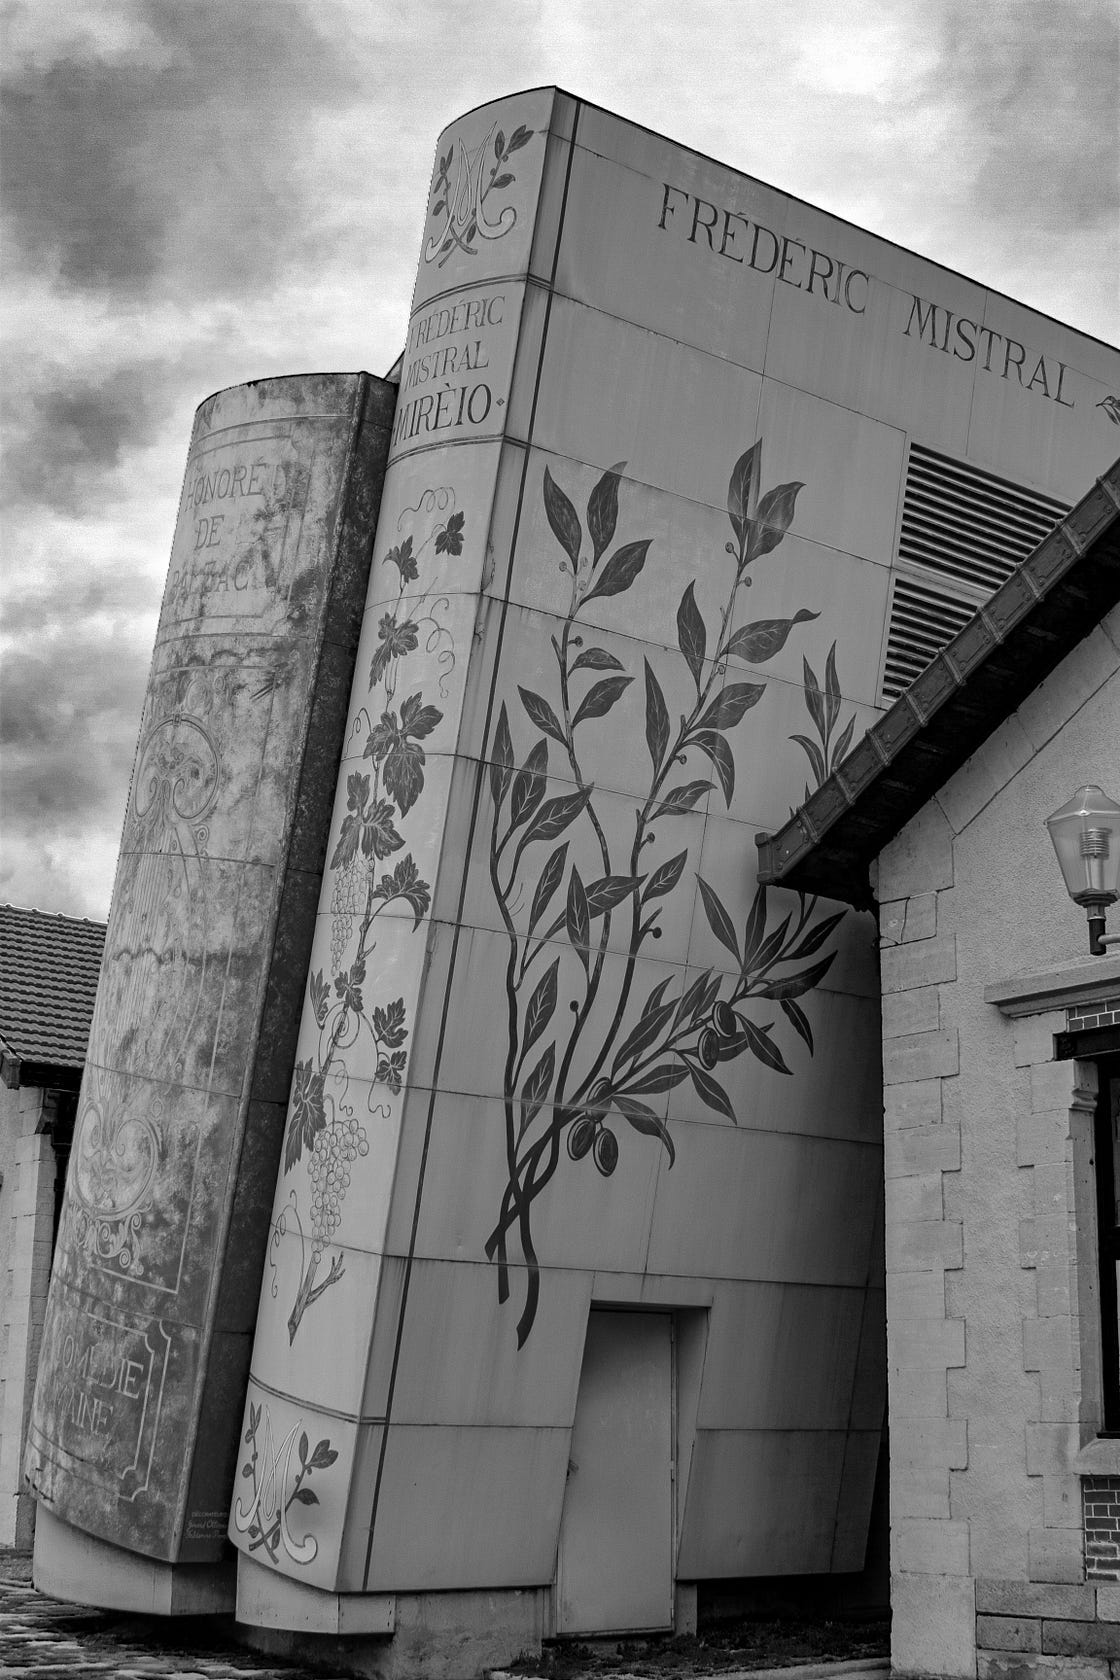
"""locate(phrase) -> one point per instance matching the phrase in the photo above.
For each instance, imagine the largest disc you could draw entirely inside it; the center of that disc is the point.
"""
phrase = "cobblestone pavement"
(43, 1639)
(46, 1640)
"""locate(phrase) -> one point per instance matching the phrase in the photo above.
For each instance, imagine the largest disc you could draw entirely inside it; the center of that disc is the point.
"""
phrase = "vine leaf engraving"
(372, 871)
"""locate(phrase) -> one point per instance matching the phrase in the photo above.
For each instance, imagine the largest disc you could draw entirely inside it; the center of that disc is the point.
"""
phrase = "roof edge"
(796, 849)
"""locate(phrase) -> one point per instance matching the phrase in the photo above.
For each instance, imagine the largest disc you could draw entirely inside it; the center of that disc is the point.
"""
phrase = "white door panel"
(615, 1566)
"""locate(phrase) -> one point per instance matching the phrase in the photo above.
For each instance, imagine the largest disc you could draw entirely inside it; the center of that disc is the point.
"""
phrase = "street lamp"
(1086, 836)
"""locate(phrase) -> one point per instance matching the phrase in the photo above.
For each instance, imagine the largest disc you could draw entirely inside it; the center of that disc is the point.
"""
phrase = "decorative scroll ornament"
(117, 1152)
(276, 1484)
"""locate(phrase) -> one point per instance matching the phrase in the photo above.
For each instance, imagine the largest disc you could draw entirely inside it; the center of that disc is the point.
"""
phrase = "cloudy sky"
(199, 192)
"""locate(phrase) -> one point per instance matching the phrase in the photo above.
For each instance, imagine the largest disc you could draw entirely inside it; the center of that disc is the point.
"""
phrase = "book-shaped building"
(573, 1292)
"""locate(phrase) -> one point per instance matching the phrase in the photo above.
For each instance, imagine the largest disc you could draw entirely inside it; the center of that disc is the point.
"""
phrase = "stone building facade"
(48, 977)
(1000, 1081)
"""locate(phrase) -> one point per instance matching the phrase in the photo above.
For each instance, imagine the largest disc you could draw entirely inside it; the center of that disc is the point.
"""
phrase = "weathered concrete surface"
(157, 1270)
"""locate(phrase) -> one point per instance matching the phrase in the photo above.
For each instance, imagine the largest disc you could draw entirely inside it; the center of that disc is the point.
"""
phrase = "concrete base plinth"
(70, 1565)
(390, 1636)
(266, 1599)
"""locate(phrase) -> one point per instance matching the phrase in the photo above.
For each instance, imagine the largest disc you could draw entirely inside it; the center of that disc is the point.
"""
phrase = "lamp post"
(1086, 836)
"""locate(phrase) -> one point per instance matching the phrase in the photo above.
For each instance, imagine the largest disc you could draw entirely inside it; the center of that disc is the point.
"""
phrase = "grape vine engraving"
(324, 1128)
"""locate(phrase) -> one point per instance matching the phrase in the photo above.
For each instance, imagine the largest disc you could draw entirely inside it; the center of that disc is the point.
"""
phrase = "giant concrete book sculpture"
(177, 1137)
(573, 1295)
(673, 457)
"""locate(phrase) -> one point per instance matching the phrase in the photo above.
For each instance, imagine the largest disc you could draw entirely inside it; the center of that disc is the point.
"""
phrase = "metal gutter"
(1048, 604)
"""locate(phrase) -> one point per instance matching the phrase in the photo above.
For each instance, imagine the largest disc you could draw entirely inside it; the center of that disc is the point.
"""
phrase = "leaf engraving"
(691, 634)
(657, 718)
(596, 659)
(711, 1091)
(774, 517)
(541, 1007)
(555, 815)
(501, 762)
(602, 512)
(600, 698)
(682, 798)
(756, 643)
(742, 492)
(620, 571)
(665, 878)
(536, 1087)
(563, 518)
(528, 786)
(643, 1119)
(712, 743)
(576, 916)
(731, 705)
(718, 919)
(542, 714)
(551, 876)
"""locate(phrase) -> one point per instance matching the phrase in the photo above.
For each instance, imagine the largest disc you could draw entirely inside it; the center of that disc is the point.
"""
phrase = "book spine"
(164, 1225)
(307, 1428)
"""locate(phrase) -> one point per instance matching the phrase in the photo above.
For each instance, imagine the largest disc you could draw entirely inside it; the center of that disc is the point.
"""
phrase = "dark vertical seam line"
(475, 804)
(849, 1429)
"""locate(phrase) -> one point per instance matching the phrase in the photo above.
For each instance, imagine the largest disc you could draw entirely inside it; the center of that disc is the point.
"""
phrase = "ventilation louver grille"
(923, 621)
(962, 527)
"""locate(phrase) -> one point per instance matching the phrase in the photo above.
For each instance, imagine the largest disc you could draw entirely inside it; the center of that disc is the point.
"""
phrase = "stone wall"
(993, 1338)
(27, 1199)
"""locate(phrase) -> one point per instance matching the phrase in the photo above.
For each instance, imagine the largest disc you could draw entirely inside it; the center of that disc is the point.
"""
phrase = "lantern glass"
(1086, 836)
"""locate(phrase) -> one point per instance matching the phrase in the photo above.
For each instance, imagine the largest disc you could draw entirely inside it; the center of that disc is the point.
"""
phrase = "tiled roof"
(48, 980)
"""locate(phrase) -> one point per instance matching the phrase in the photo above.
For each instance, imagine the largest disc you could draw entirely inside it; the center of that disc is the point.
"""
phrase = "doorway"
(615, 1560)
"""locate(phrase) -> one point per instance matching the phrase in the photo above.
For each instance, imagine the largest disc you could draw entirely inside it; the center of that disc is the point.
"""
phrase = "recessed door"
(615, 1563)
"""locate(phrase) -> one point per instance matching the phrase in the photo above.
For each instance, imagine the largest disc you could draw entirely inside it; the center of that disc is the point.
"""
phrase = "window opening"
(1107, 1151)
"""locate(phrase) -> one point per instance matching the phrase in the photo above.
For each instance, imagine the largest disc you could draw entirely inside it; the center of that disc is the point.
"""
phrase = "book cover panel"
(253, 589)
(352, 1098)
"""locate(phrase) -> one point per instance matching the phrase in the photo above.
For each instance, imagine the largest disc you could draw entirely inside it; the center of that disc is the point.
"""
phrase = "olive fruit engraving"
(725, 1020)
(606, 1152)
(581, 1135)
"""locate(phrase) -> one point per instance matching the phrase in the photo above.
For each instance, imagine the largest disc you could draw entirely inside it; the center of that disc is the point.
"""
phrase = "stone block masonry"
(1005, 1498)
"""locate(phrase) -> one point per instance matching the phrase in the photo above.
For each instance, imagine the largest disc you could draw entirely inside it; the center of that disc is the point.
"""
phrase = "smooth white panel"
(780, 1356)
(458, 1360)
(796, 1203)
(466, 1508)
(761, 1502)
(615, 392)
(852, 468)
(627, 249)
(615, 1557)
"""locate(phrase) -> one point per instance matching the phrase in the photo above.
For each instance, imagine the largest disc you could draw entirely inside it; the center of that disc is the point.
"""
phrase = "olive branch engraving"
(565, 1085)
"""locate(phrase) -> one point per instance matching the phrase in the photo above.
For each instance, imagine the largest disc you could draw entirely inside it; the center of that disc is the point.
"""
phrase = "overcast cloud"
(197, 192)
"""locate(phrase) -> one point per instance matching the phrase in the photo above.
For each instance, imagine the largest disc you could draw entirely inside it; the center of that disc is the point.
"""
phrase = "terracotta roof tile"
(48, 981)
